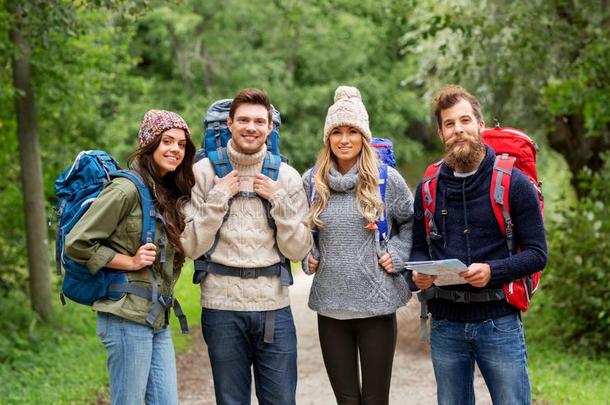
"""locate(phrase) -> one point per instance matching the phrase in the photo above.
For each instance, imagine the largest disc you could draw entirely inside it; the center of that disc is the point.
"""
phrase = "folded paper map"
(447, 270)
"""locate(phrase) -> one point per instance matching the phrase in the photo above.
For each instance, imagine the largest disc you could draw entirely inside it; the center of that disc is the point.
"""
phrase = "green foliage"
(82, 75)
(61, 362)
(64, 362)
(540, 66)
(577, 280)
(298, 52)
(562, 378)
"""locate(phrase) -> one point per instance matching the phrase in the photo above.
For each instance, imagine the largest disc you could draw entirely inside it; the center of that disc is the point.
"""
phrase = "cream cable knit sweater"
(245, 238)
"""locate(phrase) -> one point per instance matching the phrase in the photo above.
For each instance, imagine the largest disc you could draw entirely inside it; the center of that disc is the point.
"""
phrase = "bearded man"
(469, 325)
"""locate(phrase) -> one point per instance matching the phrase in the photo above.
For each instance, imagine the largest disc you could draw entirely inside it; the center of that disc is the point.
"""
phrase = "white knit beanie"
(349, 110)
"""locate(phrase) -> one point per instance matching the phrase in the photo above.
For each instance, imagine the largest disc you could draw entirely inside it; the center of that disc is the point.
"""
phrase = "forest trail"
(412, 377)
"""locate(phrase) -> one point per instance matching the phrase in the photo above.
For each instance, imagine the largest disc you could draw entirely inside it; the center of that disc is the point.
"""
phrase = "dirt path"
(412, 378)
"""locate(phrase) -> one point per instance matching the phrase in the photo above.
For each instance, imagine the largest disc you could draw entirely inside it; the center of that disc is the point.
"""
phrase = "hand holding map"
(447, 271)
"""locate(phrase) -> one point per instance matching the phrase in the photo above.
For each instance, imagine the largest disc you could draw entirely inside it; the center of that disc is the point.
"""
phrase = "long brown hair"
(171, 191)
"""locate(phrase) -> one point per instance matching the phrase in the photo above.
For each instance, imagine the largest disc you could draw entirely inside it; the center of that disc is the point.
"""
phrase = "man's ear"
(270, 129)
(229, 123)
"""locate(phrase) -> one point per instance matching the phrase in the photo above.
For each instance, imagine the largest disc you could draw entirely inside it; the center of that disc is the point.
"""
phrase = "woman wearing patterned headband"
(357, 285)
(141, 360)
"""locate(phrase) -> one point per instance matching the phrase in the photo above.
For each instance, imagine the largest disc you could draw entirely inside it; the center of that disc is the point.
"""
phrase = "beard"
(466, 156)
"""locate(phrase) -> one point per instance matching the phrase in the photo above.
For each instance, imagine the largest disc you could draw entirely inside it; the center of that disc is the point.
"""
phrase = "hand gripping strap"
(149, 213)
(428, 190)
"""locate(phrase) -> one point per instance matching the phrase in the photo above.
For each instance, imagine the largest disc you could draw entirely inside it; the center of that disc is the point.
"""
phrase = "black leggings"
(375, 340)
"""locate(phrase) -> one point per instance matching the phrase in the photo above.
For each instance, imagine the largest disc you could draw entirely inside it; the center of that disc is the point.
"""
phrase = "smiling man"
(472, 322)
(246, 318)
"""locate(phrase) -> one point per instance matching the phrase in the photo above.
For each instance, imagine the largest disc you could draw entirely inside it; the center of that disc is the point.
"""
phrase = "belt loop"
(269, 326)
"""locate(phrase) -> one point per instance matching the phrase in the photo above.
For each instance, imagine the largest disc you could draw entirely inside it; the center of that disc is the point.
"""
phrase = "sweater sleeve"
(86, 242)
(289, 208)
(399, 206)
(204, 213)
(314, 251)
(529, 234)
(419, 250)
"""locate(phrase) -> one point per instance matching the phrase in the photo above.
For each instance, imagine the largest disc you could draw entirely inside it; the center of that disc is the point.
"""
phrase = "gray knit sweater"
(349, 282)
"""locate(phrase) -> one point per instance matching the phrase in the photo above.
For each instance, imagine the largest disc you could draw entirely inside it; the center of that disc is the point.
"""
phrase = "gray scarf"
(343, 182)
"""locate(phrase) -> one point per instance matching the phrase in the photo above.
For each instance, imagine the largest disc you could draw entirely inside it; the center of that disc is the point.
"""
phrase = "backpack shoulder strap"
(428, 190)
(382, 222)
(149, 213)
(312, 189)
(220, 160)
(271, 165)
(499, 192)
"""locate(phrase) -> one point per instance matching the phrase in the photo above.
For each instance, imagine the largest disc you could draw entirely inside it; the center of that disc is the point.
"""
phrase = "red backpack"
(513, 149)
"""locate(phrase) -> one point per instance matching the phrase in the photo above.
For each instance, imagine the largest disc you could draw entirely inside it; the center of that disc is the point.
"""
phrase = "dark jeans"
(374, 339)
(235, 345)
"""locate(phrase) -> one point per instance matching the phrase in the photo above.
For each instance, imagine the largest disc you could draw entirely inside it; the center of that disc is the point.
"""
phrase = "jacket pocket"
(130, 233)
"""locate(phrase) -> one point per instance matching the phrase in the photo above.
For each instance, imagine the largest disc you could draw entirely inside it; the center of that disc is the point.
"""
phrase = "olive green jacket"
(113, 224)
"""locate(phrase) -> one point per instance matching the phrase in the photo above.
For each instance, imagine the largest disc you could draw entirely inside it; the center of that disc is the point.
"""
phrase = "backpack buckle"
(248, 273)
(461, 296)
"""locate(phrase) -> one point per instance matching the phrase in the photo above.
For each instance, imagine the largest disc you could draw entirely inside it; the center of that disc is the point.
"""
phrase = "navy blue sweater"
(468, 206)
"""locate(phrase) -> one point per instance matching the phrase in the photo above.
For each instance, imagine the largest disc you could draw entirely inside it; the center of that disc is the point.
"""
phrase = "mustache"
(449, 143)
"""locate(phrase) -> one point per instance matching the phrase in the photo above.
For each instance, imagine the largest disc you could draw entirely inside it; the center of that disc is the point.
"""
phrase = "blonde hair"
(367, 188)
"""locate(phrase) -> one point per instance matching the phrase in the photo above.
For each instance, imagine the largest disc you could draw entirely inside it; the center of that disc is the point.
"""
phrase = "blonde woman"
(357, 285)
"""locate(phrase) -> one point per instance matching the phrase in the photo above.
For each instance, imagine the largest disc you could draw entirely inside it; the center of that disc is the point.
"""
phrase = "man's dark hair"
(449, 96)
(250, 96)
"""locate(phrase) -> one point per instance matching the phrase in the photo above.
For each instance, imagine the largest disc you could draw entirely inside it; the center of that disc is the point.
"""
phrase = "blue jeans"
(141, 361)
(496, 345)
(235, 345)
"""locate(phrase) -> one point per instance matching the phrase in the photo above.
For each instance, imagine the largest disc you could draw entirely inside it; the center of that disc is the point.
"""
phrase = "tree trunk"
(579, 150)
(31, 177)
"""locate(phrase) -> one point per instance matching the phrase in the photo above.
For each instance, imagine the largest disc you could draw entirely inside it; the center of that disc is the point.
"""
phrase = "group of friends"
(247, 227)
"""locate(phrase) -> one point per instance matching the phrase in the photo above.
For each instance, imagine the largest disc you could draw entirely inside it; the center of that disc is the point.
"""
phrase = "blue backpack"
(385, 150)
(217, 135)
(76, 189)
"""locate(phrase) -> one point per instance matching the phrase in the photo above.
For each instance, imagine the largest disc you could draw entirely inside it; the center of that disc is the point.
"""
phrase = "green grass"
(59, 363)
(64, 362)
(560, 376)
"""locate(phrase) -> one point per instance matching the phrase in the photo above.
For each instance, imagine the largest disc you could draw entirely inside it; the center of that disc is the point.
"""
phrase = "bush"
(577, 283)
